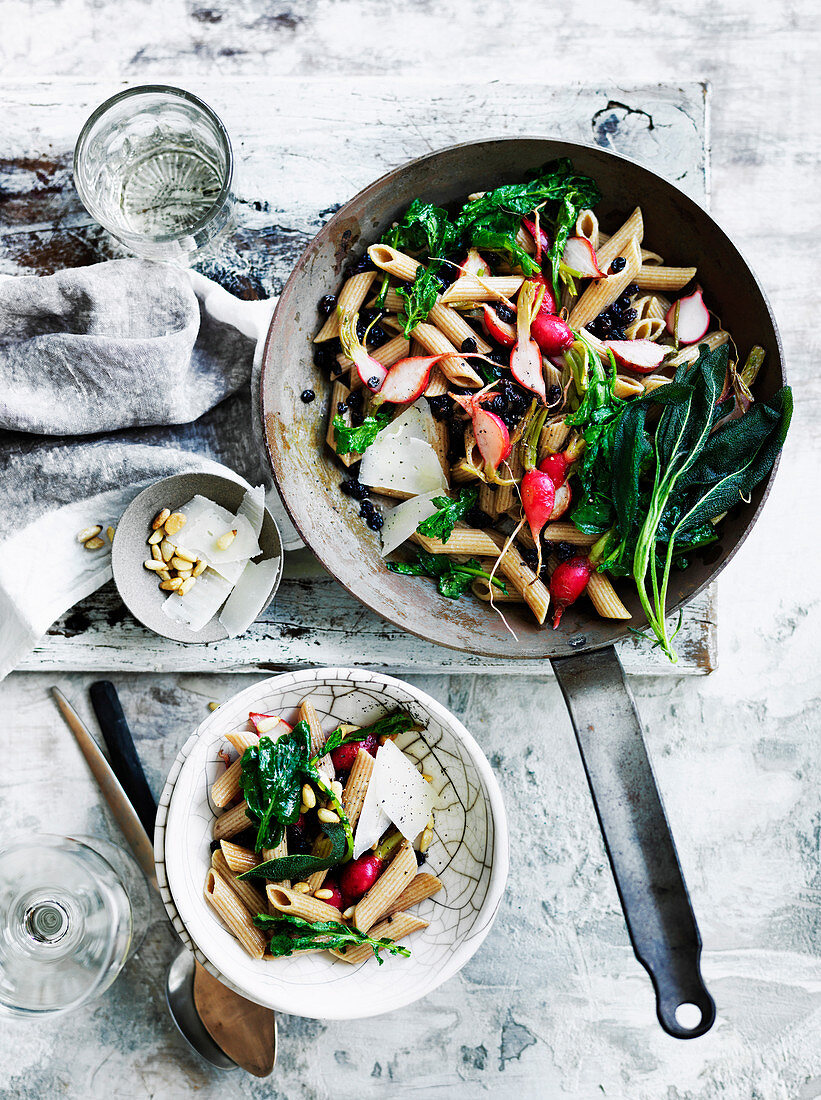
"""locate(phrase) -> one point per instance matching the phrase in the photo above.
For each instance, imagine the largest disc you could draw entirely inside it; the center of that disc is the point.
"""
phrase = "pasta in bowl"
(427, 879)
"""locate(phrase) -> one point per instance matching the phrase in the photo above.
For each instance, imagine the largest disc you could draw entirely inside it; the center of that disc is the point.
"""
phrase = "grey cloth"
(115, 345)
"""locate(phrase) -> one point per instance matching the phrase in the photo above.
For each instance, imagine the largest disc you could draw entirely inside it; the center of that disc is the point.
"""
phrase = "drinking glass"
(153, 165)
(71, 913)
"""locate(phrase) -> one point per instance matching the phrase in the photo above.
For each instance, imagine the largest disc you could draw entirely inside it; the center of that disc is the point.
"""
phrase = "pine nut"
(94, 544)
(186, 555)
(180, 563)
(301, 888)
(328, 816)
(336, 787)
(164, 575)
(224, 541)
(323, 894)
(166, 550)
(156, 555)
(110, 532)
(160, 518)
(308, 796)
(184, 574)
(155, 537)
(430, 823)
(187, 584)
(213, 706)
(154, 566)
(172, 585)
(427, 837)
(200, 567)
(349, 912)
(175, 523)
(88, 533)
(427, 778)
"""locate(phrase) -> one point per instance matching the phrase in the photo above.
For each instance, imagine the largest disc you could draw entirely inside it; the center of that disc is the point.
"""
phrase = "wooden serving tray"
(302, 148)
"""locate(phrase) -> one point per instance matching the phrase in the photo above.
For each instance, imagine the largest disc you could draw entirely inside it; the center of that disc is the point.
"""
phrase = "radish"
(538, 494)
(548, 302)
(497, 329)
(568, 582)
(407, 379)
(556, 467)
(266, 723)
(370, 370)
(688, 319)
(541, 239)
(474, 264)
(563, 499)
(580, 257)
(551, 333)
(492, 436)
(640, 356)
(526, 358)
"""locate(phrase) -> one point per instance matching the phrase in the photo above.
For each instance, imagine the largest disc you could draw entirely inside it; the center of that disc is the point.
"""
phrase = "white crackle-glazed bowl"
(469, 851)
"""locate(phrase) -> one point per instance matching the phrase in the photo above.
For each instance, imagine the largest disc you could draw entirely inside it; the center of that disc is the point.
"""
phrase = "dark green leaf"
(452, 578)
(272, 774)
(335, 739)
(440, 525)
(631, 455)
(392, 723)
(291, 934)
(355, 440)
(299, 866)
(423, 227)
(420, 297)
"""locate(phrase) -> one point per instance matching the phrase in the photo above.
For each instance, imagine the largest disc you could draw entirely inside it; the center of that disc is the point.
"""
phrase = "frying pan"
(637, 837)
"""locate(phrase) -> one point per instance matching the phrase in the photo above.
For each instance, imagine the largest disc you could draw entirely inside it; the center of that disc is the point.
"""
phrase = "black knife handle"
(122, 752)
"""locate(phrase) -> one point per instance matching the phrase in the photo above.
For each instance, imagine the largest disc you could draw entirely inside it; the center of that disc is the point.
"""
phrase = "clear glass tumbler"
(71, 913)
(153, 165)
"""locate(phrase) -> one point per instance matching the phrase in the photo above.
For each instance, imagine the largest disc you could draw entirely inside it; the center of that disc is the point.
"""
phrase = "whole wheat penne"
(601, 294)
(322, 848)
(437, 385)
(481, 588)
(603, 597)
(648, 328)
(423, 885)
(340, 394)
(468, 288)
(388, 886)
(627, 387)
(506, 495)
(455, 368)
(250, 897)
(236, 916)
(568, 532)
(655, 277)
(388, 354)
(393, 928)
(713, 340)
(553, 437)
(455, 327)
(307, 714)
(631, 230)
(359, 776)
(239, 859)
(300, 905)
(394, 301)
(587, 225)
(242, 739)
(513, 568)
(659, 306)
(552, 376)
(487, 500)
(652, 382)
(233, 821)
(226, 787)
(649, 259)
(394, 262)
(463, 540)
(351, 297)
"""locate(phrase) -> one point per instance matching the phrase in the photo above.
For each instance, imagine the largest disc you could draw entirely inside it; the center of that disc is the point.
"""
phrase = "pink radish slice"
(542, 242)
(268, 723)
(474, 264)
(693, 318)
(580, 257)
(492, 436)
(538, 496)
(526, 367)
(496, 329)
(563, 499)
(548, 302)
(407, 379)
(551, 333)
(370, 370)
(641, 356)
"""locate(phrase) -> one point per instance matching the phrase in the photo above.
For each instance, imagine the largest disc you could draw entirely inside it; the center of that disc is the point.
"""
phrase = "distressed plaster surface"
(554, 1005)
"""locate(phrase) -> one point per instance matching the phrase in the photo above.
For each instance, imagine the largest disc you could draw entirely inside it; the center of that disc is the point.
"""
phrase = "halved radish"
(541, 240)
(548, 302)
(551, 333)
(641, 356)
(562, 502)
(269, 724)
(526, 357)
(688, 318)
(407, 379)
(492, 436)
(580, 256)
(475, 264)
(538, 499)
(497, 329)
(370, 370)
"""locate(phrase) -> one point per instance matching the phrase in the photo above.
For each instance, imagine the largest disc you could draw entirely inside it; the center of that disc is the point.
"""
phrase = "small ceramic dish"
(138, 587)
(469, 852)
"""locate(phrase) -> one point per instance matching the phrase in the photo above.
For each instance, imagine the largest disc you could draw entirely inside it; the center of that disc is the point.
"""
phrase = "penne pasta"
(456, 328)
(322, 848)
(226, 788)
(239, 859)
(553, 437)
(587, 225)
(487, 500)
(234, 914)
(233, 821)
(358, 778)
(295, 904)
(243, 739)
(603, 597)
(648, 328)
(468, 288)
(464, 540)
(421, 886)
(250, 897)
(388, 354)
(599, 295)
(456, 369)
(713, 340)
(351, 297)
(649, 259)
(513, 568)
(507, 496)
(654, 277)
(623, 386)
(652, 382)
(631, 230)
(340, 394)
(481, 589)
(393, 928)
(437, 385)
(394, 262)
(387, 887)
(567, 532)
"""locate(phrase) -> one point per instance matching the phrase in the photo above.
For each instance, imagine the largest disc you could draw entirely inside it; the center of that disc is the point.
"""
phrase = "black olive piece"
(629, 315)
(354, 399)
(618, 264)
(499, 357)
(564, 551)
(307, 396)
(375, 521)
(554, 395)
(505, 313)
(341, 407)
(377, 336)
(327, 305)
(468, 345)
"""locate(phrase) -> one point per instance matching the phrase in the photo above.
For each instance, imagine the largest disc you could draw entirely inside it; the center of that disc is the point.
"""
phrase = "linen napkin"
(111, 377)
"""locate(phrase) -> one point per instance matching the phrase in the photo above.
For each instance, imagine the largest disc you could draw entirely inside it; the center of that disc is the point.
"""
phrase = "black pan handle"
(124, 760)
(637, 837)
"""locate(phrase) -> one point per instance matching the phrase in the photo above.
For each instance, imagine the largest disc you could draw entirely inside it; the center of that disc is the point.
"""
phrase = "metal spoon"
(179, 993)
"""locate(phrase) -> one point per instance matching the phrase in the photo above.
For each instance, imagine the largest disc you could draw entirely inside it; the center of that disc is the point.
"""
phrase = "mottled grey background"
(554, 1006)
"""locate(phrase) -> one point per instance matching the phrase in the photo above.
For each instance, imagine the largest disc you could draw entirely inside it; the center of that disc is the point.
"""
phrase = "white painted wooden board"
(302, 149)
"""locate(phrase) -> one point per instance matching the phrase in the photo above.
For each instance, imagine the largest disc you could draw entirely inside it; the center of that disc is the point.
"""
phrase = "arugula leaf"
(272, 774)
(291, 934)
(420, 297)
(299, 866)
(453, 578)
(355, 440)
(335, 739)
(392, 723)
(440, 525)
(423, 227)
